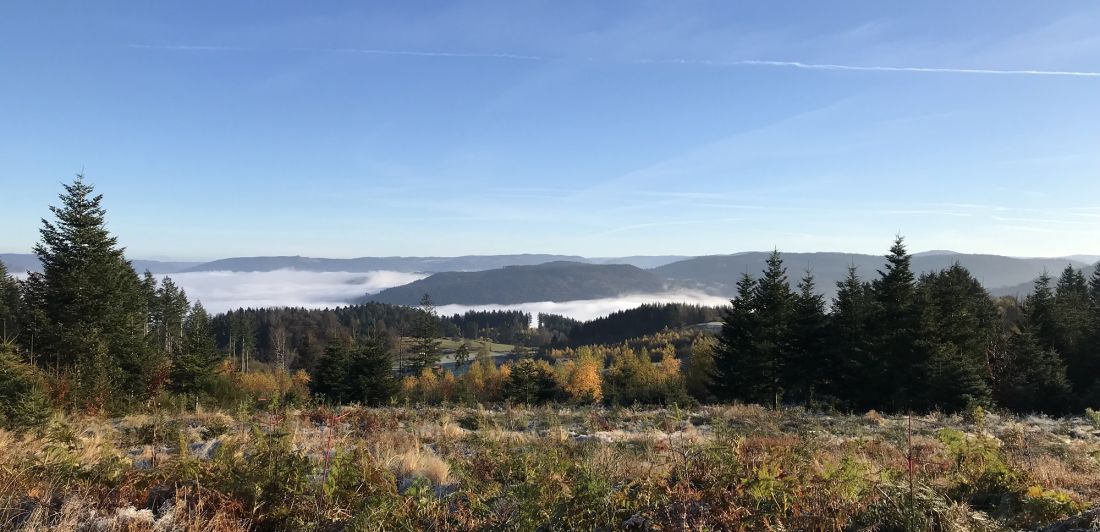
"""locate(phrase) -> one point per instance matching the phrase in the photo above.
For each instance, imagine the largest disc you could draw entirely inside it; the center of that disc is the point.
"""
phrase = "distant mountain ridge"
(719, 273)
(22, 262)
(367, 264)
(464, 263)
(552, 281)
(712, 274)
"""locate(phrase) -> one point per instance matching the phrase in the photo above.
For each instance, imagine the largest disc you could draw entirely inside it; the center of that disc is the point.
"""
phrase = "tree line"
(906, 342)
(88, 332)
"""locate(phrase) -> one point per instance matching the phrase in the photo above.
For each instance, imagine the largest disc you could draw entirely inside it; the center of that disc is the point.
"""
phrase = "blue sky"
(597, 128)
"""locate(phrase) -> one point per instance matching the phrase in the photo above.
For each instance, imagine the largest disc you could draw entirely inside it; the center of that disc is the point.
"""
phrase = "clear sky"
(345, 129)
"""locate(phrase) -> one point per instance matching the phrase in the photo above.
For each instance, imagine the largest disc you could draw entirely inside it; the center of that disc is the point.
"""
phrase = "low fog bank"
(222, 291)
(588, 309)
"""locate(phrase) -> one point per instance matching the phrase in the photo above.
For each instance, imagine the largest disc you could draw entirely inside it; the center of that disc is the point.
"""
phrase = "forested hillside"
(554, 281)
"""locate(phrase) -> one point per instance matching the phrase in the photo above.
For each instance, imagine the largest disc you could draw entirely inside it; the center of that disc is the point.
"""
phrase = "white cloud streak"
(673, 61)
(879, 68)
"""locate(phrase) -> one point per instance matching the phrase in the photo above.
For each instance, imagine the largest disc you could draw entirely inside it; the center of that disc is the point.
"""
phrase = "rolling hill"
(719, 273)
(553, 281)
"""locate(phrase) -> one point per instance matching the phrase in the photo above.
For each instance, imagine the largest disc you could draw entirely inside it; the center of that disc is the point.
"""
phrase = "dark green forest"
(90, 333)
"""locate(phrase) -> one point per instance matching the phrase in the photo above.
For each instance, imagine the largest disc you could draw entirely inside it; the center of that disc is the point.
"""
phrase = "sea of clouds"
(587, 309)
(222, 291)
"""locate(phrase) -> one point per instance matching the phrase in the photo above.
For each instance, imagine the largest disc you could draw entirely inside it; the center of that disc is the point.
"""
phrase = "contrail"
(829, 66)
(702, 62)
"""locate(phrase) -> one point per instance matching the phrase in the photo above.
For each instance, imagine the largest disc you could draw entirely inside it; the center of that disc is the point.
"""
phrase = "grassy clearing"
(724, 467)
(450, 344)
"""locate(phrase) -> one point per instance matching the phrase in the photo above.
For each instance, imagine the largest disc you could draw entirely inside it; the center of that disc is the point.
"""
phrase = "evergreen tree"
(1033, 378)
(355, 374)
(193, 368)
(1040, 314)
(809, 371)
(23, 401)
(371, 378)
(957, 324)
(1072, 320)
(896, 335)
(424, 349)
(771, 352)
(330, 375)
(733, 373)
(9, 305)
(168, 313)
(91, 321)
(530, 382)
(462, 355)
(857, 370)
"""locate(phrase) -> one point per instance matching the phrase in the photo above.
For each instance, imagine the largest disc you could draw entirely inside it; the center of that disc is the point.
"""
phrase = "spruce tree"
(1072, 321)
(810, 369)
(193, 368)
(9, 305)
(424, 349)
(772, 346)
(169, 312)
(733, 373)
(371, 378)
(857, 368)
(1032, 378)
(91, 317)
(1040, 313)
(462, 355)
(958, 319)
(895, 330)
(330, 375)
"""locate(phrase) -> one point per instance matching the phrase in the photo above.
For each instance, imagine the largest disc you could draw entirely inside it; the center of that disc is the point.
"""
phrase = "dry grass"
(725, 467)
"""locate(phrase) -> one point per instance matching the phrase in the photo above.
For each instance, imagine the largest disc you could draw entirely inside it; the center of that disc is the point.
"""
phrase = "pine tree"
(772, 343)
(371, 377)
(809, 369)
(896, 334)
(9, 305)
(857, 369)
(424, 349)
(91, 319)
(957, 324)
(734, 375)
(1072, 323)
(169, 312)
(1033, 378)
(23, 401)
(330, 375)
(1040, 313)
(530, 382)
(193, 368)
(462, 355)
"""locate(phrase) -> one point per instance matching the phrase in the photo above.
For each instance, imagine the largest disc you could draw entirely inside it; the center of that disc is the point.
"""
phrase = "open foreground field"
(711, 468)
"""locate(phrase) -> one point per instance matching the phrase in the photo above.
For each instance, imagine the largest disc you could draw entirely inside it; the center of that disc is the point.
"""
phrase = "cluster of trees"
(96, 335)
(622, 325)
(620, 375)
(899, 342)
(297, 337)
(104, 335)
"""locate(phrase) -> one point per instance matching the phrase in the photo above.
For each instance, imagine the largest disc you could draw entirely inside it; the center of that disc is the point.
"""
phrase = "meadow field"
(731, 467)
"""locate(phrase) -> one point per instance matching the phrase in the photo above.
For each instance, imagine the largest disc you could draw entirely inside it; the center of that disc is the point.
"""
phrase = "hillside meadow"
(730, 467)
